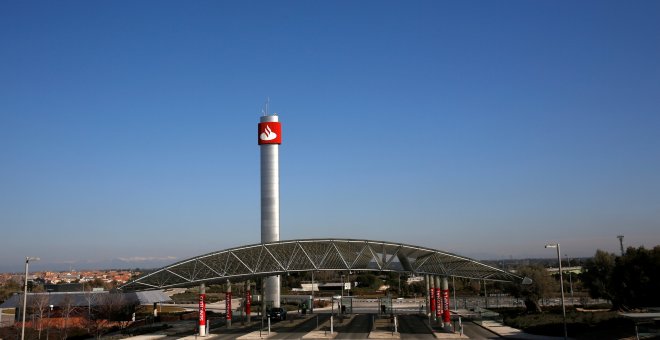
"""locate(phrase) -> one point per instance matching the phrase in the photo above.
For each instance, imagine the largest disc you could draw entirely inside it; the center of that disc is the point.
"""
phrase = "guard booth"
(307, 305)
(347, 305)
(304, 302)
(7, 320)
(385, 304)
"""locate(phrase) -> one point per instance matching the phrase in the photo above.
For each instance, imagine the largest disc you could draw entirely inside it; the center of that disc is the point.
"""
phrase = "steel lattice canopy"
(266, 259)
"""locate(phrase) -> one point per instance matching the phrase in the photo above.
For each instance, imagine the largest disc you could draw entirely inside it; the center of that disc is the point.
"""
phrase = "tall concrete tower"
(270, 138)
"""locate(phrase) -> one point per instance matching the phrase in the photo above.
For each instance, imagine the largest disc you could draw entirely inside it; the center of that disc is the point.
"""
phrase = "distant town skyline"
(67, 277)
(485, 129)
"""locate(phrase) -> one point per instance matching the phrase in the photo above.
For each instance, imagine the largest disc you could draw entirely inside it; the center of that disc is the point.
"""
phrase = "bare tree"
(39, 304)
(67, 308)
(115, 307)
(93, 299)
(92, 321)
(123, 309)
(109, 308)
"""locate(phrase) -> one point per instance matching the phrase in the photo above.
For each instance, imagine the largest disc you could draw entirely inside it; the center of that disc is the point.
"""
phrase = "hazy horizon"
(485, 129)
(156, 263)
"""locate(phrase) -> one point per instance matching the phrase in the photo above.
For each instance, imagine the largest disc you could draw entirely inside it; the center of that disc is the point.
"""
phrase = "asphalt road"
(474, 331)
(413, 327)
(359, 328)
(297, 332)
(410, 327)
(218, 328)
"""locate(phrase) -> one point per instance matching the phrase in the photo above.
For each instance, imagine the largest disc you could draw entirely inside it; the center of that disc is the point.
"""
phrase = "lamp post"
(49, 311)
(342, 285)
(453, 288)
(48, 326)
(27, 262)
(311, 308)
(561, 284)
(570, 279)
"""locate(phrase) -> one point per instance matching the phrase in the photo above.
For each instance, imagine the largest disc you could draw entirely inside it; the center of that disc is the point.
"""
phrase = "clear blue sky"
(488, 129)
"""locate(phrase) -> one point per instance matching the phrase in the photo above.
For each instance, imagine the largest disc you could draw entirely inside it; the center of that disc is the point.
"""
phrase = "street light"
(27, 262)
(49, 311)
(570, 278)
(48, 327)
(342, 285)
(561, 284)
(311, 308)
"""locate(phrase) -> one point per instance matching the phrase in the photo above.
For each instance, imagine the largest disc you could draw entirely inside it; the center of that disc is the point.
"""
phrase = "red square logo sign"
(270, 133)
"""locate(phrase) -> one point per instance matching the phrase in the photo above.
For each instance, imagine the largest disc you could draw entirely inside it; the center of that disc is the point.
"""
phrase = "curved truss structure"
(266, 259)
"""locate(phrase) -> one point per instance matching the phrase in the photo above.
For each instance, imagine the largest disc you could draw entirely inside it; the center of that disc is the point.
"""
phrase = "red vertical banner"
(446, 316)
(202, 309)
(248, 302)
(228, 305)
(438, 303)
(432, 300)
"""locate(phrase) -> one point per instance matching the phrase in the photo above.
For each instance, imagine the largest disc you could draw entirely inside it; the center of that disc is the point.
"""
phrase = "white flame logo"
(268, 134)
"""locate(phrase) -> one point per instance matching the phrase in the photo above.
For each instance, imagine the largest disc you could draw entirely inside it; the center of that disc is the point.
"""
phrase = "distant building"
(329, 286)
(64, 287)
(574, 270)
(414, 279)
(84, 299)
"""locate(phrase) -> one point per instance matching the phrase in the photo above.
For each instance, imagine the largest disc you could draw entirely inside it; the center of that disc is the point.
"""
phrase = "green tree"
(597, 275)
(8, 289)
(291, 280)
(367, 279)
(542, 286)
(96, 283)
(636, 278)
(629, 281)
(416, 288)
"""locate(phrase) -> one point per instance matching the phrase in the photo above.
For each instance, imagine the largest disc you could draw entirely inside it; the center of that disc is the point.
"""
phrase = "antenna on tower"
(265, 110)
(620, 237)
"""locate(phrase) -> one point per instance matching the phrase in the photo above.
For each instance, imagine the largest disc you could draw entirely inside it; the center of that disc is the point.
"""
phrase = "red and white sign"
(248, 302)
(432, 299)
(446, 316)
(202, 310)
(438, 303)
(228, 305)
(270, 133)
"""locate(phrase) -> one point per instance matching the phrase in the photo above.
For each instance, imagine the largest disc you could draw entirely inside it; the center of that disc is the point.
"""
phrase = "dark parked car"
(277, 314)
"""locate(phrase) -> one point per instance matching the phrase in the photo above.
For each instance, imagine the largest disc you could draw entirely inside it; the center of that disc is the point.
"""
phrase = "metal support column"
(202, 310)
(438, 300)
(428, 297)
(248, 301)
(228, 310)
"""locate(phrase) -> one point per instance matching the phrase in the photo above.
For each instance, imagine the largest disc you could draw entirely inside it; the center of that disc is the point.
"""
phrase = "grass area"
(580, 325)
(193, 297)
(163, 309)
(146, 329)
(169, 309)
